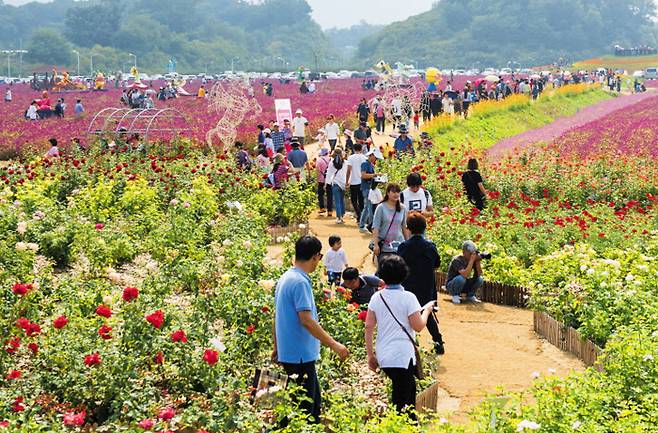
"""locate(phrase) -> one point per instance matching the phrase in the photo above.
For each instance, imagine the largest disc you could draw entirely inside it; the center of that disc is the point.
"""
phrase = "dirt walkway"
(487, 346)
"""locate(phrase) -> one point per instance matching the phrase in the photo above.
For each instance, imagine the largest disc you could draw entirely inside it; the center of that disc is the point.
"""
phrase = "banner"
(283, 110)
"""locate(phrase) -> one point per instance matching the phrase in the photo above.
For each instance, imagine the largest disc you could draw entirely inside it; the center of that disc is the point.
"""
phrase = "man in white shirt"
(299, 124)
(332, 131)
(354, 179)
(416, 198)
(396, 110)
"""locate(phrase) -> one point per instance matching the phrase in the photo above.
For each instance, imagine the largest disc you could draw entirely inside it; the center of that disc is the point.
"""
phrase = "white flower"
(107, 300)
(294, 376)
(217, 344)
(38, 215)
(21, 246)
(220, 260)
(212, 222)
(227, 242)
(583, 268)
(552, 371)
(17, 204)
(648, 357)
(576, 425)
(152, 266)
(286, 238)
(630, 277)
(186, 204)
(279, 239)
(529, 425)
(239, 263)
(535, 374)
(114, 276)
(247, 244)
(443, 421)
(238, 206)
(590, 271)
(643, 268)
(32, 246)
(21, 227)
(302, 226)
(173, 202)
(266, 285)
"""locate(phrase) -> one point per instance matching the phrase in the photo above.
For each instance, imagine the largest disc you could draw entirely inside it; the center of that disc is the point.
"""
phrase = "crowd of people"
(43, 108)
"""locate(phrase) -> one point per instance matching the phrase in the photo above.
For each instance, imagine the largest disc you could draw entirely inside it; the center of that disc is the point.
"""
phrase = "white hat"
(267, 131)
(299, 111)
(375, 152)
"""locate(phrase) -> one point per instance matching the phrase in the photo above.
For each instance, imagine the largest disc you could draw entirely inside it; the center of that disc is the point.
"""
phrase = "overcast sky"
(344, 13)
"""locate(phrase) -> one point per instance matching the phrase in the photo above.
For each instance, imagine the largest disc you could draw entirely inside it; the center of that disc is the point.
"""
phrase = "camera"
(484, 255)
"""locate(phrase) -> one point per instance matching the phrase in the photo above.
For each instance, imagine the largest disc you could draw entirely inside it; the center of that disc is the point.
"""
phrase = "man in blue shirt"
(403, 143)
(298, 159)
(367, 175)
(278, 136)
(297, 333)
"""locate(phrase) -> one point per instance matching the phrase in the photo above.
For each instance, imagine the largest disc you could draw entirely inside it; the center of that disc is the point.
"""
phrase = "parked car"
(638, 74)
(651, 73)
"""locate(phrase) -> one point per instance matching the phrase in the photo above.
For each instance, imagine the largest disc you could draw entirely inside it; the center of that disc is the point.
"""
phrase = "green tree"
(93, 23)
(48, 46)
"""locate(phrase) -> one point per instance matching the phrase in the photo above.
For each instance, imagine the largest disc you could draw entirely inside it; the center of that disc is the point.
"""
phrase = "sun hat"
(375, 152)
(299, 111)
(267, 131)
(324, 152)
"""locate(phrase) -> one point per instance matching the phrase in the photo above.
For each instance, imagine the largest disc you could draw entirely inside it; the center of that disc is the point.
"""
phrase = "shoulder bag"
(418, 372)
(380, 242)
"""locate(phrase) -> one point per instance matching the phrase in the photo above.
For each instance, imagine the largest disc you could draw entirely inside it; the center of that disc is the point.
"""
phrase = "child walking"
(335, 261)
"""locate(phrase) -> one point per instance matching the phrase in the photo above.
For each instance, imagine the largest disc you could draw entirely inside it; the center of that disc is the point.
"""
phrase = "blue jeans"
(459, 285)
(338, 196)
(366, 215)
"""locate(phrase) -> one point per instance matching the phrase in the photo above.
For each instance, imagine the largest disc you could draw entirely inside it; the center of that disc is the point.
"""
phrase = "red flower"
(146, 424)
(60, 322)
(156, 319)
(93, 359)
(211, 356)
(105, 332)
(21, 289)
(159, 358)
(11, 346)
(167, 414)
(251, 328)
(100, 226)
(103, 310)
(72, 419)
(4, 424)
(17, 405)
(13, 374)
(33, 329)
(130, 293)
(23, 323)
(601, 235)
(178, 336)
(265, 309)
(363, 315)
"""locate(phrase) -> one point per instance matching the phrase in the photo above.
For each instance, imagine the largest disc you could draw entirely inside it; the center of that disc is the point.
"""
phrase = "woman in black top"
(473, 186)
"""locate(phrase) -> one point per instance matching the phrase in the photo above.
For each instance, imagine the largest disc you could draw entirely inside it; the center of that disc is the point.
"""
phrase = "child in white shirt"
(335, 261)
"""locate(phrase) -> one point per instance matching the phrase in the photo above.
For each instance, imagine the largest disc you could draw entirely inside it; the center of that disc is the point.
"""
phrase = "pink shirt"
(321, 166)
(54, 151)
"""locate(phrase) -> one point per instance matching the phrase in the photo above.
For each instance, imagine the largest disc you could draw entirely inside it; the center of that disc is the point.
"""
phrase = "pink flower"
(100, 226)
(167, 414)
(146, 424)
(73, 419)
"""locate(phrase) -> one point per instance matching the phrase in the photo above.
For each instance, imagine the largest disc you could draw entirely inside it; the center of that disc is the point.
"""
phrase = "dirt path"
(487, 346)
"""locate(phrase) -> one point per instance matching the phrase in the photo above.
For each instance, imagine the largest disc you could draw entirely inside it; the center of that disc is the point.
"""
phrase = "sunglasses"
(321, 255)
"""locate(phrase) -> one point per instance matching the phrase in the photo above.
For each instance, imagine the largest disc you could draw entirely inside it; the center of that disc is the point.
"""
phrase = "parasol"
(492, 78)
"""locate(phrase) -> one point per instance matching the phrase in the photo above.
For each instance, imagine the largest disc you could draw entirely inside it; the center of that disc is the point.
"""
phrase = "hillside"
(630, 64)
(481, 33)
(200, 34)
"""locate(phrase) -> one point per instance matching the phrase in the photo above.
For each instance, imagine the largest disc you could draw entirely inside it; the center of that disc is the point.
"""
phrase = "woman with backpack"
(389, 224)
(337, 177)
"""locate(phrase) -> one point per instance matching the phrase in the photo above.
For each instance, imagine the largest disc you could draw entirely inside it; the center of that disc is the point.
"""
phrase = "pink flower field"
(582, 119)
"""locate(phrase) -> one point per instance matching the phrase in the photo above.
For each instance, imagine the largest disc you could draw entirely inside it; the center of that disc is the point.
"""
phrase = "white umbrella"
(535, 76)
(492, 78)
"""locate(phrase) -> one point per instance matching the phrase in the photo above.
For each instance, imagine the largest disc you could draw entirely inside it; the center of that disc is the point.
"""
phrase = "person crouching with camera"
(465, 273)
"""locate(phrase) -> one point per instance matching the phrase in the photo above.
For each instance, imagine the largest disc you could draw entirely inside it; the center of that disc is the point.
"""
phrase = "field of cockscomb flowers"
(137, 297)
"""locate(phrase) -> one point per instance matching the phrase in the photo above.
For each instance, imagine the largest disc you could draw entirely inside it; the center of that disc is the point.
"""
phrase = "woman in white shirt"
(397, 315)
(332, 131)
(337, 177)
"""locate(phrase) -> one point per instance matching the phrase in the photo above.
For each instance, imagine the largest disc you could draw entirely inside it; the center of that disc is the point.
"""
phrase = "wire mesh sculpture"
(396, 99)
(149, 123)
(231, 100)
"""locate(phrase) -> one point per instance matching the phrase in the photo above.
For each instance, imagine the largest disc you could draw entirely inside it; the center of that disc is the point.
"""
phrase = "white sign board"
(283, 110)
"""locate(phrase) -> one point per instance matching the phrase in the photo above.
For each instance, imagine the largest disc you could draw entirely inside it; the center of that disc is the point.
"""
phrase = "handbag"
(418, 372)
(380, 242)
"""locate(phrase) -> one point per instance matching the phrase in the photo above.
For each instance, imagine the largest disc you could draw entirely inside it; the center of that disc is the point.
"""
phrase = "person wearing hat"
(279, 173)
(361, 134)
(459, 278)
(299, 124)
(324, 188)
(403, 143)
(298, 159)
(269, 143)
(278, 136)
(368, 174)
(363, 110)
(349, 143)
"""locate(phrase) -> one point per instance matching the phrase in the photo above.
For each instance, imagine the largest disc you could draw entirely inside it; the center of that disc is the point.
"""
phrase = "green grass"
(630, 64)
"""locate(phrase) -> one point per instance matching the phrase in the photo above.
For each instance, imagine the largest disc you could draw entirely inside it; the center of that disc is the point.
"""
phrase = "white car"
(506, 71)
(638, 74)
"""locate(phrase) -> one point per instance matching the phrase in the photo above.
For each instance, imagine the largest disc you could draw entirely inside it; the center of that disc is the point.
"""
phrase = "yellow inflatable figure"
(99, 83)
(433, 78)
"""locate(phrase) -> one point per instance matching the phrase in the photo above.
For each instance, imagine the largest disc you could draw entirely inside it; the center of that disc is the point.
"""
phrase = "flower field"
(137, 295)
